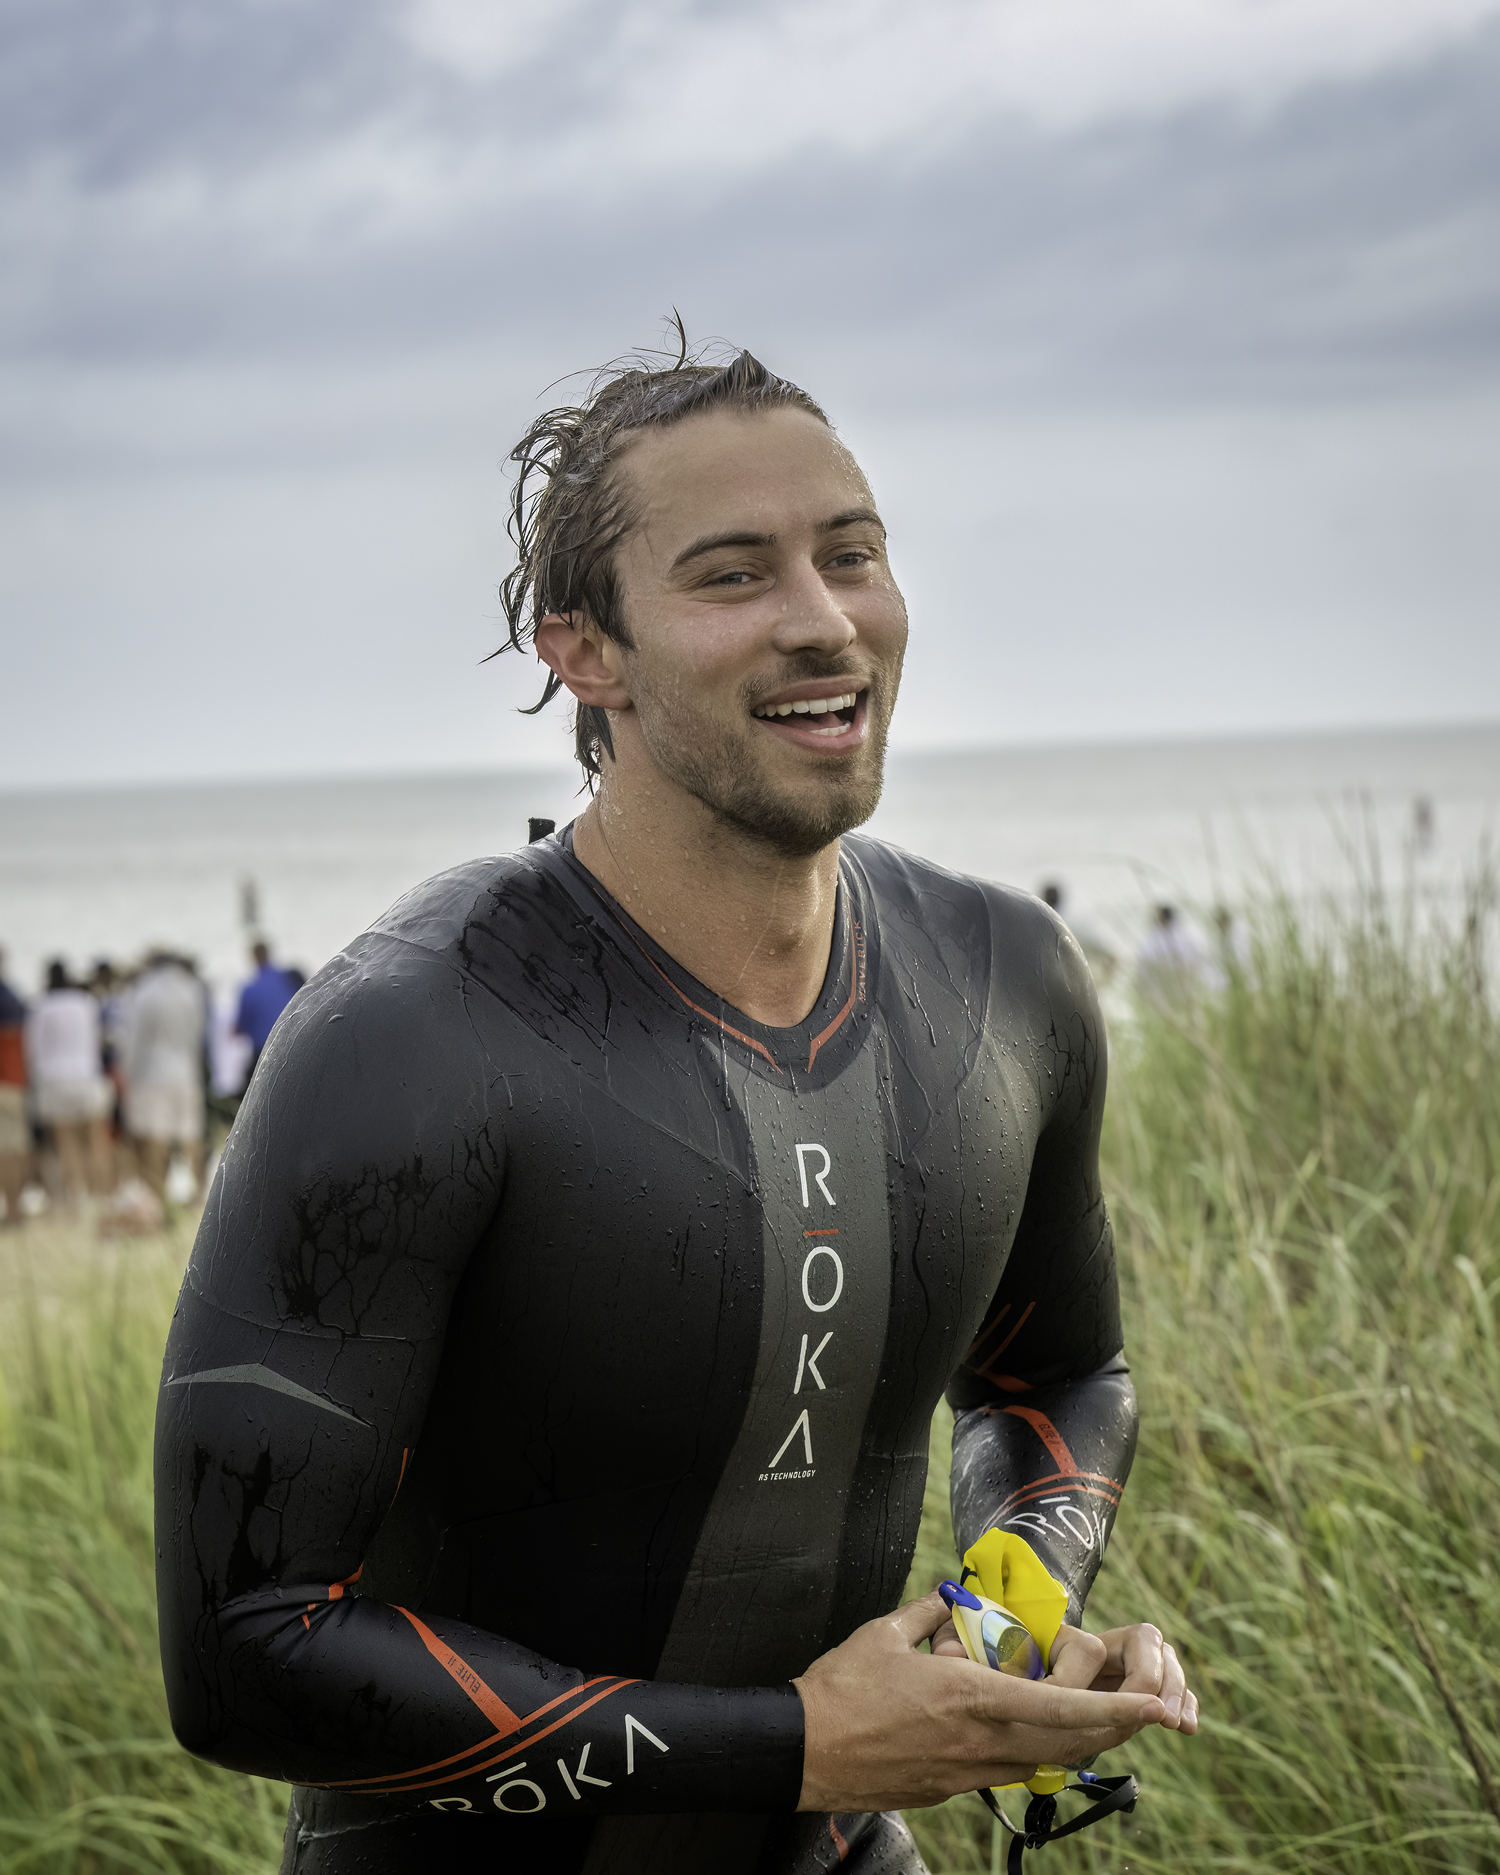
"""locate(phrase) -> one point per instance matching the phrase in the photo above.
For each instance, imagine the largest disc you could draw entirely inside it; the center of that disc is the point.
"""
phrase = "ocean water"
(109, 873)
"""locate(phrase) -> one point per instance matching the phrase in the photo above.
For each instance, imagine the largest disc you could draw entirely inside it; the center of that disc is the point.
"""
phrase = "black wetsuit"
(552, 1376)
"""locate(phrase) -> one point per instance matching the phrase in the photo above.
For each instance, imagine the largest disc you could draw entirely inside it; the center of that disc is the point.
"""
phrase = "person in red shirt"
(15, 1130)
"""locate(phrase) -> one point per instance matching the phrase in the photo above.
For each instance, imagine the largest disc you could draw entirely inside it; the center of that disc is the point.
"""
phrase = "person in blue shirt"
(262, 1000)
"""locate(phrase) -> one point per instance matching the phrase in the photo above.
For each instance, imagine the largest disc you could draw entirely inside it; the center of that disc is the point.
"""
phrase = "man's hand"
(1125, 1660)
(889, 1728)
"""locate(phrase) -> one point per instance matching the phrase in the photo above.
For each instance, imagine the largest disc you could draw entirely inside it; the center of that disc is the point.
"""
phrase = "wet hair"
(570, 510)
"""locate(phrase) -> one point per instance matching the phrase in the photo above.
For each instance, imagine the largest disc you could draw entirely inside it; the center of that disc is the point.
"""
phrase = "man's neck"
(753, 926)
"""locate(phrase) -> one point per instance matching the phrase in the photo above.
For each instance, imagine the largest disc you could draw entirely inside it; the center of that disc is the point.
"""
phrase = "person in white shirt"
(161, 1057)
(73, 1096)
(1173, 962)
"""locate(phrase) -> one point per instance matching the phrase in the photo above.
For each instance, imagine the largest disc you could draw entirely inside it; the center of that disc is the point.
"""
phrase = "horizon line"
(566, 769)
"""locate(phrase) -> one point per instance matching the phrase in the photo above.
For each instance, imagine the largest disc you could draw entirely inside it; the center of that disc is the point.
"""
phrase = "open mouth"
(817, 719)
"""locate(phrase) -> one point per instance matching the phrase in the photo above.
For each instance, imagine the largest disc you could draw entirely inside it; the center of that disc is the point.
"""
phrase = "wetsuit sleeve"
(1044, 1412)
(367, 1160)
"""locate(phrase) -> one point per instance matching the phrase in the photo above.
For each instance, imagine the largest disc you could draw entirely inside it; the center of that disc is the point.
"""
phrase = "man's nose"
(811, 617)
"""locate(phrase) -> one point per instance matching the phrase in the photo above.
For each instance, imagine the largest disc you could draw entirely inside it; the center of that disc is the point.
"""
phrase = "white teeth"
(815, 706)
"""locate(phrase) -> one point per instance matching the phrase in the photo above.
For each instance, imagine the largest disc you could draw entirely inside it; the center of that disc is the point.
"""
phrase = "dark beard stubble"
(725, 775)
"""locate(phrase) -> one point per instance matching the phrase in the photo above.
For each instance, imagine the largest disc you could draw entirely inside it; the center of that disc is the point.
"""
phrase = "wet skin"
(758, 576)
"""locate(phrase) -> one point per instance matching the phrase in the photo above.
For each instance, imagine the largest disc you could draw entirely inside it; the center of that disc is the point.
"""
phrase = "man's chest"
(690, 1266)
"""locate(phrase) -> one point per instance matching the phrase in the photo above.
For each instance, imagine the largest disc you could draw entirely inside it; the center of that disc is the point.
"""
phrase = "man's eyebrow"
(735, 537)
(851, 519)
(705, 543)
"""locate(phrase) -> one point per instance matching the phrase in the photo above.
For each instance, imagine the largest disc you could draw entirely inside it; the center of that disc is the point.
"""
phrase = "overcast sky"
(1168, 332)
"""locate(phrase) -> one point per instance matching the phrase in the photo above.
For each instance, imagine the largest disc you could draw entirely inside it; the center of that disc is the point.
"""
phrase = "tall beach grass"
(91, 1779)
(1304, 1173)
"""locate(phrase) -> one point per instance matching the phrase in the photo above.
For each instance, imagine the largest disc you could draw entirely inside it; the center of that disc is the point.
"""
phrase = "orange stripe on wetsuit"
(489, 1703)
(749, 1040)
(383, 1785)
(484, 1744)
(1047, 1433)
(1068, 1477)
(842, 1016)
(1078, 1484)
(728, 1028)
(987, 1371)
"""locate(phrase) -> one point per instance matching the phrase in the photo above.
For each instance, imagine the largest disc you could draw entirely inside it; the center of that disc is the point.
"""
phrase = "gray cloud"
(1193, 406)
(114, 94)
(224, 184)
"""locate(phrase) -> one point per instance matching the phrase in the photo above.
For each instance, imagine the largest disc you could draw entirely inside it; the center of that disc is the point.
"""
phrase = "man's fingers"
(1074, 1710)
(887, 1726)
(1173, 1686)
(1077, 1657)
(946, 1642)
(1138, 1660)
(1141, 1658)
(1035, 1745)
(1046, 1703)
(916, 1621)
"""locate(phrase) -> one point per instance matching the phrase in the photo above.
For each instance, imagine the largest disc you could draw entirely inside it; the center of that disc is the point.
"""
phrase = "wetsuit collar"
(813, 1051)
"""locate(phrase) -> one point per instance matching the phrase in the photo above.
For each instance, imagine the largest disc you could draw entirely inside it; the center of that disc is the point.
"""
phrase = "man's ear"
(588, 663)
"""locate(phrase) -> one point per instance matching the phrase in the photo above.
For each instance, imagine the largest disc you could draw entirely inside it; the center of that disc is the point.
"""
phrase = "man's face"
(758, 595)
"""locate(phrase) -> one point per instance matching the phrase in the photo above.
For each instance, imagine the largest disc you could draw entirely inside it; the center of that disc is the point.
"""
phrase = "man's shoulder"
(439, 914)
(394, 1000)
(447, 974)
(958, 913)
(903, 881)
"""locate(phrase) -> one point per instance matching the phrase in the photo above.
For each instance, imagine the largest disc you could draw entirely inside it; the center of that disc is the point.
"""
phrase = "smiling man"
(544, 1423)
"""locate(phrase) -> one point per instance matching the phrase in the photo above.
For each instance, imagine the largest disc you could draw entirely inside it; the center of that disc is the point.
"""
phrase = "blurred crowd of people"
(115, 1084)
(1173, 959)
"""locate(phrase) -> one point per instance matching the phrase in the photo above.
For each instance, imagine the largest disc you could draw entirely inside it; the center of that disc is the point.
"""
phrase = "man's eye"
(856, 556)
(736, 578)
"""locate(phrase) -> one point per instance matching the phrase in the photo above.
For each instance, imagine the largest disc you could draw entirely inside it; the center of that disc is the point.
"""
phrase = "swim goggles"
(995, 1637)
